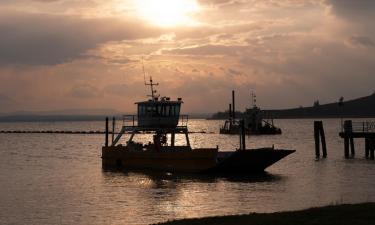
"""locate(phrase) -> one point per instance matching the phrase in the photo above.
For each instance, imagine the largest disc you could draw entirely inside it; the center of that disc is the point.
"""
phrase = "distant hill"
(360, 107)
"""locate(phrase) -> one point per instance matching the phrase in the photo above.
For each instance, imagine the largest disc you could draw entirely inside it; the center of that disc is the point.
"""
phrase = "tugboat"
(256, 122)
(161, 118)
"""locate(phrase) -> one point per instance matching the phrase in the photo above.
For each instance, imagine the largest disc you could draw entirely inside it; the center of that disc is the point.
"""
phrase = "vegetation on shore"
(356, 214)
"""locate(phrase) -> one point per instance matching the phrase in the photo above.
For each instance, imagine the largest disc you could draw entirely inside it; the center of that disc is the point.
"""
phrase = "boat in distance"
(160, 117)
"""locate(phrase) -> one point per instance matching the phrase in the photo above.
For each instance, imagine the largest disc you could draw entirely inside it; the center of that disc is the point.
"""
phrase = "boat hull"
(248, 161)
(193, 161)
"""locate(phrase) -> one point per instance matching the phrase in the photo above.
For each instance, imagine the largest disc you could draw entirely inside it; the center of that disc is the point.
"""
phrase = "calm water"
(58, 179)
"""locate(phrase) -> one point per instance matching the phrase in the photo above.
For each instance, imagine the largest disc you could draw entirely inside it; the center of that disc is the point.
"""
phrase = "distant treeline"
(57, 118)
(50, 118)
(361, 107)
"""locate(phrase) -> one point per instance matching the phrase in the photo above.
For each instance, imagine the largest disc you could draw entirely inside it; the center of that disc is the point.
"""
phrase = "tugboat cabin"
(161, 113)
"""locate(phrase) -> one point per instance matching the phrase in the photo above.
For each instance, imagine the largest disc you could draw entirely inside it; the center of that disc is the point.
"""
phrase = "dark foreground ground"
(357, 214)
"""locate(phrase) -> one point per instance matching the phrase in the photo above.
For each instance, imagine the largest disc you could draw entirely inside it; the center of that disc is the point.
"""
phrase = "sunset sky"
(86, 54)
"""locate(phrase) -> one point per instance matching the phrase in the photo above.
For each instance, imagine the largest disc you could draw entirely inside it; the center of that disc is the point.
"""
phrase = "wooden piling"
(106, 132)
(319, 135)
(367, 148)
(113, 129)
(230, 111)
(348, 140)
(243, 134)
(346, 147)
(233, 105)
(352, 150)
(317, 139)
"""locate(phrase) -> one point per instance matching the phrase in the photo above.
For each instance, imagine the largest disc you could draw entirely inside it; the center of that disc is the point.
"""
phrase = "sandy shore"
(353, 214)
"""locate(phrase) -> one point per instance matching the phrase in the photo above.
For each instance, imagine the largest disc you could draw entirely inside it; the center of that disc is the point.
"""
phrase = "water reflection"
(181, 195)
(160, 179)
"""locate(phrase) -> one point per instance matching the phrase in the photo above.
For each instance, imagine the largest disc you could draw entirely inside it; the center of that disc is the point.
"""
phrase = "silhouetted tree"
(316, 103)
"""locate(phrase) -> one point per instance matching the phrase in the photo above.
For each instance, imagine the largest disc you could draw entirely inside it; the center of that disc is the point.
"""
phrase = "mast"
(153, 92)
(253, 99)
(151, 84)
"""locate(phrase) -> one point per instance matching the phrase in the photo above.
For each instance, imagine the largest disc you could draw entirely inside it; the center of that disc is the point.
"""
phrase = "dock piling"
(348, 140)
(233, 105)
(319, 135)
(346, 147)
(113, 129)
(367, 148)
(242, 136)
(106, 132)
(352, 150)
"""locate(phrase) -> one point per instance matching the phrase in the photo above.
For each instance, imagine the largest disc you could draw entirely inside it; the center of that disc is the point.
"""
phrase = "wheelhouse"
(159, 113)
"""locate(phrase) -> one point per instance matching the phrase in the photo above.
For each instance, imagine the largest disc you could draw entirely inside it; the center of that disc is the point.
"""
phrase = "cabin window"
(149, 110)
(177, 110)
(167, 110)
(172, 110)
(163, 113)
(159, 110)
(141, 110)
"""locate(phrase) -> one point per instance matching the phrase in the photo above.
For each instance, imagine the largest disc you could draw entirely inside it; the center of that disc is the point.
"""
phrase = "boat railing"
(365, 126)
(183, 120)
(132, 120)
(129, 120)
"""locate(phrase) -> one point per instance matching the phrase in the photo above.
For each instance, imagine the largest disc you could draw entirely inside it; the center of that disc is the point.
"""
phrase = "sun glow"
(167, 13)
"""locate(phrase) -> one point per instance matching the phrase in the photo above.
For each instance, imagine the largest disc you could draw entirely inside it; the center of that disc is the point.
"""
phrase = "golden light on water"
(167, 13)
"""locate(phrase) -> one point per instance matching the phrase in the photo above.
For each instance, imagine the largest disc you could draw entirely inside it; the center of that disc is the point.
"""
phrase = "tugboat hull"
(193, 161)
(248, 161)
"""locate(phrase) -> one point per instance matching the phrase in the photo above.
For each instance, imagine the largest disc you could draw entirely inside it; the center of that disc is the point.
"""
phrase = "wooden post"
(172, 138)
(230, 116)
(317, 139)
(106, 132)
(113, 129)
(352, 150)
(367, 148)
(323, 137)
(346, 147)
(372, 148)
(243, 134)
(319, 134)
(348, 129)
(230, 111)
(233, 105)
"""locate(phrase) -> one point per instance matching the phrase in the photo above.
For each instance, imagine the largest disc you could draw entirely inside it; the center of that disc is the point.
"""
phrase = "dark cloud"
(361, 41)
(41, 39)
(353, 9)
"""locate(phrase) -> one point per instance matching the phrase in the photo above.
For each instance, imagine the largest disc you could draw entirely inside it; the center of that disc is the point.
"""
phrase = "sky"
(88, 54)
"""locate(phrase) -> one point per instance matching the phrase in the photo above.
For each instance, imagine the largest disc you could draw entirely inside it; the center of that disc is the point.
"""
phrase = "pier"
(352, 130)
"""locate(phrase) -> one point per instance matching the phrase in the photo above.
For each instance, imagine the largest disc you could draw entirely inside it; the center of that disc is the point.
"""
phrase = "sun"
(167, 13)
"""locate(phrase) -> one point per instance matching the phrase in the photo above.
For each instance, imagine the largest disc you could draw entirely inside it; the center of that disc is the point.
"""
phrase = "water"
(58, 179)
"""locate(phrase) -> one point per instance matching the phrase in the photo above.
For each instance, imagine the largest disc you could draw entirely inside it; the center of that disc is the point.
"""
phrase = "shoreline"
(345, 214)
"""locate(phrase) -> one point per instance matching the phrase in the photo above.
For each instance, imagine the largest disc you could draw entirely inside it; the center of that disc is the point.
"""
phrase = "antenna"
(144, 73)
(151, 84)
(153, 92)
(253, 99)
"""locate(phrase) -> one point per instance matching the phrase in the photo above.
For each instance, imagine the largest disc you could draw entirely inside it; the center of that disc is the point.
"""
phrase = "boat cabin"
(162, 113)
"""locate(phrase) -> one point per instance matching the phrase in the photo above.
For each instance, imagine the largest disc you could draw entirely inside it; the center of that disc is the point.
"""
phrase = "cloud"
(361, 41)
(42, 39)
(357, 9)
(85, 91)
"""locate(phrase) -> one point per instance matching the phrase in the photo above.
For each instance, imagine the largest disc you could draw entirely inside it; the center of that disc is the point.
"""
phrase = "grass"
(356, 214)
